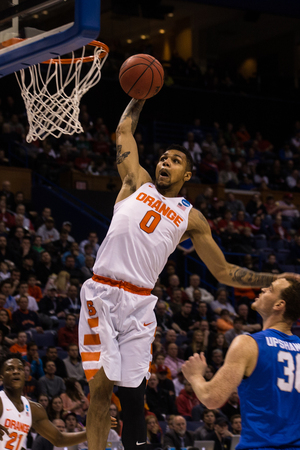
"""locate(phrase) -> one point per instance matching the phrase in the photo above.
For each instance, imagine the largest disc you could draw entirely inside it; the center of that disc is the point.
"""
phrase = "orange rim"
(85, 59)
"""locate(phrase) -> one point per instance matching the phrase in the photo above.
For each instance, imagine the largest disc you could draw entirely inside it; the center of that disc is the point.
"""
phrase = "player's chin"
(253, 305)
(162, 184)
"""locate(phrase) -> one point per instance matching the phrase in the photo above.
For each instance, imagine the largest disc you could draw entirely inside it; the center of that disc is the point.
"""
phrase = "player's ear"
(187, 176)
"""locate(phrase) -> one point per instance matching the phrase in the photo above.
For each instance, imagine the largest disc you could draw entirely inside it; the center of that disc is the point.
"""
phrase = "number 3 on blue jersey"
(293, 377)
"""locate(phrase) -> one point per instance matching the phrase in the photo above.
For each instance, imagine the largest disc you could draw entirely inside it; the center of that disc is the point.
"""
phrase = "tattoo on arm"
(133, 111)
(121, 157)
(201, 216)
(247, 277)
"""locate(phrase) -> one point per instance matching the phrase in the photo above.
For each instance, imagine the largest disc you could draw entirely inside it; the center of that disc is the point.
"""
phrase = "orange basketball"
(141, 76)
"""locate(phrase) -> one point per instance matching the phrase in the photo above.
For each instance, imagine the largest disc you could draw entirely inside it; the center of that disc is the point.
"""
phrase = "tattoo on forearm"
(133, 111)
(120, 157)
(246, 277)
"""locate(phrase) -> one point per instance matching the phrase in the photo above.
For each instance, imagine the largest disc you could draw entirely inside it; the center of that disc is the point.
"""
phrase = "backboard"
(32, 31)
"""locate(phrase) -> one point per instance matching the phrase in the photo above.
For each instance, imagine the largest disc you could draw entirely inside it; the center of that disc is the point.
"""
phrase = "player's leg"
(98, 418)
(134, 433)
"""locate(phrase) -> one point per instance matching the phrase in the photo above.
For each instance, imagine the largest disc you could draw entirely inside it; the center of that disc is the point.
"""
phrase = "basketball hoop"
(56, 113)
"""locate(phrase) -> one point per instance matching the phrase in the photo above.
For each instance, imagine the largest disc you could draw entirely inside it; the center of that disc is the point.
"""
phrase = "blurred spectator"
(232, 406)
(233, 204)
(221, 302)
(74, 399)
(5, 216)
(154, 433)
(8, 194)
(55, 409)
(74, 300)
(87, 269)
(238, 324)
(217, 359)
(224, 322)
(74, 251)
(23, 291)
(30, 389)
(93, 240)
(25, 319)
(32, 357)
(46, 267)
(179, 383)
(179, 437)
(195, 282)
(174, 283)
(288, 209)
(183, 321)
(186, 401)
(52, 356)
(69, 333)
(73, 364)
(164, 382)
(204, 312)
(172, 361)
(255, 206)
(51, 384)
(48, 232)
(41, 220)
(52, 307)
(20, 346)
(160, 402)
(33, 289)
(194, 147)
(236, 424)
(250, 325)
(271, 265)
(206, 431)
(164, 320)
(199, 344)
(62, 245)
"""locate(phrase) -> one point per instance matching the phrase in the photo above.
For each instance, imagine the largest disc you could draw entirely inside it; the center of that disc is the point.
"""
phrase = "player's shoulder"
(197, 221)
(37, 410)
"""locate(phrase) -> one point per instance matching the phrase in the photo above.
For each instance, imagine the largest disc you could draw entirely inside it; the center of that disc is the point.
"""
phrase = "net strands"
(57, 113)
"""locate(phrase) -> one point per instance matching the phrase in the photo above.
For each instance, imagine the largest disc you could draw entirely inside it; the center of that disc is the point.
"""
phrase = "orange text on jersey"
(160, 207)
(15, 425)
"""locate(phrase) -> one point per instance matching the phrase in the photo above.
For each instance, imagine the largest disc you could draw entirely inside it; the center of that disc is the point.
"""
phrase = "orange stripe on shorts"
(122, 285)
(91, 339)
(90, 356)
(93, 322)
(90, 373)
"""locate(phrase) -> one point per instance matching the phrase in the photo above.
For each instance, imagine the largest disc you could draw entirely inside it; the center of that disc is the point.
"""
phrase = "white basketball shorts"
(116, 329)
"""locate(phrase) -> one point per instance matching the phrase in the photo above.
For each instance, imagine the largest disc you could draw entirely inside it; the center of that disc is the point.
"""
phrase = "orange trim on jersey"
(91, 339)
(93, 322)
(122, 285)
(90, 356)
(89, 374)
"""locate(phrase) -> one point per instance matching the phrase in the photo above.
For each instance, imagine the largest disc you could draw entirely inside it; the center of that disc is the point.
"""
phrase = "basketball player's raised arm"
(45, 428)
(240, 361)
(212, 256)
(127, 151)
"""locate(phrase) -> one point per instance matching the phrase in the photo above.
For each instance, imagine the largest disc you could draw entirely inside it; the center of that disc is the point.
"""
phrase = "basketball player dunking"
(266, 365)
(117, 322)
(17, 414)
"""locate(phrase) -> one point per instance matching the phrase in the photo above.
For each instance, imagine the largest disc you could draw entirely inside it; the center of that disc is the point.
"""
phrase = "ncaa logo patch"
(185, 202)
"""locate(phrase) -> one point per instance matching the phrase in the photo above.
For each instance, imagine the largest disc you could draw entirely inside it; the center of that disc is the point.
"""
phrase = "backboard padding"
(59, 41)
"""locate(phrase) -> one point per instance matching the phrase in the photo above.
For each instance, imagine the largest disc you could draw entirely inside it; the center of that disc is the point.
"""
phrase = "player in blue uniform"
(266, 367)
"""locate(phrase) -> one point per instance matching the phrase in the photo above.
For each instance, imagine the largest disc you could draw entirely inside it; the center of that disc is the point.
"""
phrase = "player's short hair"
(10, 356)
(291, 296)
(189, 159)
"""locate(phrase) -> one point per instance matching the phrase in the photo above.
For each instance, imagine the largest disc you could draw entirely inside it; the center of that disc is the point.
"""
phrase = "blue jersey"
(270, 397)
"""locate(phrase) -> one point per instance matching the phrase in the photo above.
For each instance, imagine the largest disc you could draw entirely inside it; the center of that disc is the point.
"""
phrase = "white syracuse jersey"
(145, 229)
(17, 423)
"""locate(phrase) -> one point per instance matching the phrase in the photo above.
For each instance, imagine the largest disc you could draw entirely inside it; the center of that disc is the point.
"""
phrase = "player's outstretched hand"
(113, 422)
(194, 366)
(296, 276)
(2, 431)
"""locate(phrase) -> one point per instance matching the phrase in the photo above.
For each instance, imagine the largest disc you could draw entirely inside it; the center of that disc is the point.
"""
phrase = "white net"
(52, 97)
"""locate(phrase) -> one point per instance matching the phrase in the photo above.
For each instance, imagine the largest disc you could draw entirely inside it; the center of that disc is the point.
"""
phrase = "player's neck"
(15, 397)
(170, 192)
(277, 324)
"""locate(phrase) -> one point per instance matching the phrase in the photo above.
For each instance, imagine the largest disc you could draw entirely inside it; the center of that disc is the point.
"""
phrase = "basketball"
(141, 76)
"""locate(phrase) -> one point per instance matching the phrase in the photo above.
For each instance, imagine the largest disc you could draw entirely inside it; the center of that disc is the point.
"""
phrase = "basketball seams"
(139, 83)
(145, 96)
